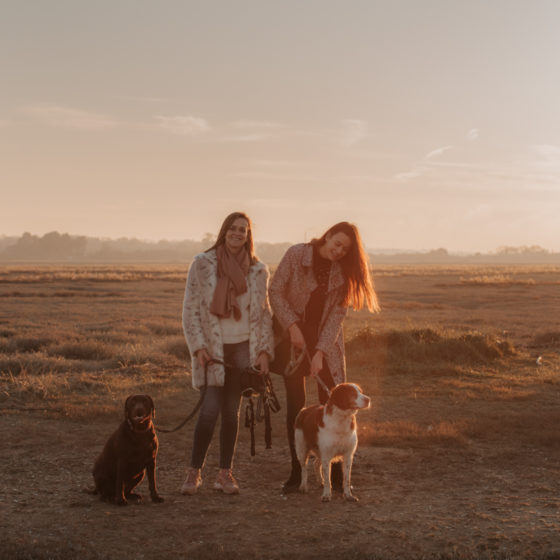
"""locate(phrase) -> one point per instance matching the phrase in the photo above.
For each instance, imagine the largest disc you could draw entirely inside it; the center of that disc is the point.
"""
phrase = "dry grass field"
(459, 456)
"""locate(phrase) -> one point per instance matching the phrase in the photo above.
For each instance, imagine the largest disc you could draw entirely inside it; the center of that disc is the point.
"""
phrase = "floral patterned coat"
(202, 328)
(290, 290)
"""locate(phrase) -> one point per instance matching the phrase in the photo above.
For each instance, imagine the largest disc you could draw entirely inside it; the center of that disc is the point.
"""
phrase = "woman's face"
(236, 235)
(336, 246)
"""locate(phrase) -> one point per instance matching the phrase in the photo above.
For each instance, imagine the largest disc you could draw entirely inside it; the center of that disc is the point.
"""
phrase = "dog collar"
(134, 429)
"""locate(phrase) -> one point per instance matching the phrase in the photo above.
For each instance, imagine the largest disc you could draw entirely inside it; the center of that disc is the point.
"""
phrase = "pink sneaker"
(192, 483)
(226, 483)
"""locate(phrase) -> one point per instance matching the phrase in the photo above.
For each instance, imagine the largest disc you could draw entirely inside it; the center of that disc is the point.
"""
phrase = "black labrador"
(129, 452)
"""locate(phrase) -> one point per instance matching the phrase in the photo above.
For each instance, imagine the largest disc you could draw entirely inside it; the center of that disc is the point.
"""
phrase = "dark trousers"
(295, 401)
(226, 401)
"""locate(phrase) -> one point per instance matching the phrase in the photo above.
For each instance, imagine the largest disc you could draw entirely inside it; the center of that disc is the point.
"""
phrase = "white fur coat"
(202, 328)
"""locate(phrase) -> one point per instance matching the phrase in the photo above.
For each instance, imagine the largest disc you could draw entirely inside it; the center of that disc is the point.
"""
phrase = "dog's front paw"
(350, 498)
(326, 498)
(134, 498)
(157, 499)
(303, 488)
(121, 501)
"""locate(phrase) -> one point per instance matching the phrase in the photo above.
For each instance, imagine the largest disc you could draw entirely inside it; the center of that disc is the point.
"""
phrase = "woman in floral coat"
(226, 318)
(310, 293)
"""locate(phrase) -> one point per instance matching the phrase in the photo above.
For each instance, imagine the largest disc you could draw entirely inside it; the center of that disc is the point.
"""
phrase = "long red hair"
(355, 267)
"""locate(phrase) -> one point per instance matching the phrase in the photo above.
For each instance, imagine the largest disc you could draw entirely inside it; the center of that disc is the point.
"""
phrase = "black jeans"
(226, 401)
(295, 401)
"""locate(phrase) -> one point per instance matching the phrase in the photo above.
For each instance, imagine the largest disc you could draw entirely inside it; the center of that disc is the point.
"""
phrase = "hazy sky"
(428, 123)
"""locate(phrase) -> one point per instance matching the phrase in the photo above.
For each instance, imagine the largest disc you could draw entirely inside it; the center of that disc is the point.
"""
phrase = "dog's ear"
(126, 406)
(151, 405)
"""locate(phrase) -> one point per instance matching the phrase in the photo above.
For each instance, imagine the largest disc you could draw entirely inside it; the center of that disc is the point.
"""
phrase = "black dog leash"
(268, 401)
(198, 404)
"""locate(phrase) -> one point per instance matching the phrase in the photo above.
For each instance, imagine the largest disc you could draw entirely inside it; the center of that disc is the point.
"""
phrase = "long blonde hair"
(355, 268)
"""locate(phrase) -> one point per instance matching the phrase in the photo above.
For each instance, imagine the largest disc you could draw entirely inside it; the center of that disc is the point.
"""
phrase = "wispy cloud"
(541, 174)
(246, 130)
(268, 163)
(253, 124)
(65, 117)
(421, 168)
(547, 151)
(409, 175)
(142, 99)
(437, 152)
(472, 134)
(272, 176)
(256, 137)
(353, 131)
(479, 210)
(430, 161)
(547, 160)
(183, 125)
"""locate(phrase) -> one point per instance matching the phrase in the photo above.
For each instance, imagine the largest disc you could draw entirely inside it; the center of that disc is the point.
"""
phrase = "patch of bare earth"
(459, 456)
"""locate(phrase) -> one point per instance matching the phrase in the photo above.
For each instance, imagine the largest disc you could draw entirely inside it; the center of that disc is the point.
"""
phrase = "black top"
(316, 303)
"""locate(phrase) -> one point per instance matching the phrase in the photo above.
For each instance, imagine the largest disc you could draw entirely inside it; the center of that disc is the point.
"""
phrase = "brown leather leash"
(295, 362)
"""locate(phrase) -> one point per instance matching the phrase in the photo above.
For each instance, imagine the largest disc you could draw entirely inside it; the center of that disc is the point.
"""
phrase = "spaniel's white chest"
(337, 436)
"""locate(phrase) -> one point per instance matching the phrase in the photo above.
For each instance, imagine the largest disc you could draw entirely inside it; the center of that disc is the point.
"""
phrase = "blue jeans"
(226, 401)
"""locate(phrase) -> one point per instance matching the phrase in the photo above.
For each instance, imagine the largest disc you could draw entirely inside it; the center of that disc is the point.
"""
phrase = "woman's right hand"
(296, 337)
(202, 356)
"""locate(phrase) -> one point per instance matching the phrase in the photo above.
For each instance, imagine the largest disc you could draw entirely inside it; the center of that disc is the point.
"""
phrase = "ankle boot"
(336, 477)
(292, 484)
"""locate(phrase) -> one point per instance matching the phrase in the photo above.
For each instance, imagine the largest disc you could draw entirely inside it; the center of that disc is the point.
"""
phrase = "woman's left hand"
(262, 362)
(316, 363)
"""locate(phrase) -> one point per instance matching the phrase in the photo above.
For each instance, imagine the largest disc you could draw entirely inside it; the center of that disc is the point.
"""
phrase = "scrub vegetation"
(459, 456)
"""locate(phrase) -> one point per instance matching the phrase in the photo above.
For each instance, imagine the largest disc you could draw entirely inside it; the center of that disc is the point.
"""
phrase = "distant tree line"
(503, 255)
(62, 247)
(55, 247)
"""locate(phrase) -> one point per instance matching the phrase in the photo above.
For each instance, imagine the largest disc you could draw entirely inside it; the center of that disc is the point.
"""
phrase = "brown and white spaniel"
(329, 432)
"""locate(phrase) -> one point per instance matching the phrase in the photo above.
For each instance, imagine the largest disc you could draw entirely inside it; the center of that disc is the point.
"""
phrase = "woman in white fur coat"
(227, 318)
